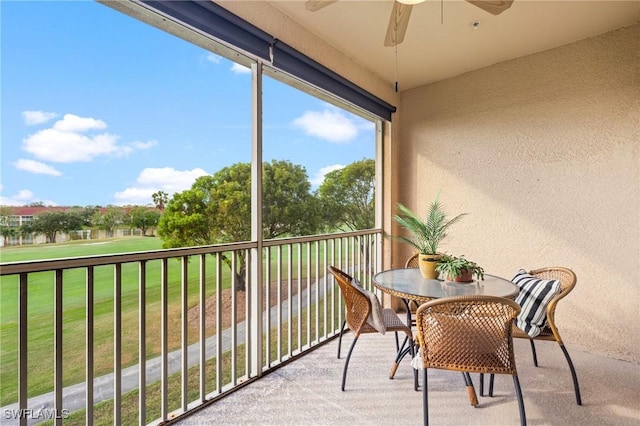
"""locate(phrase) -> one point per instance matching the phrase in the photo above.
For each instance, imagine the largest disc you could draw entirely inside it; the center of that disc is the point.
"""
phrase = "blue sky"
(98, 108)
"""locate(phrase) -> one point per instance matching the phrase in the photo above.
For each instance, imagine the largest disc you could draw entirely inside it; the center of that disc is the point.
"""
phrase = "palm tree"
(160, 199)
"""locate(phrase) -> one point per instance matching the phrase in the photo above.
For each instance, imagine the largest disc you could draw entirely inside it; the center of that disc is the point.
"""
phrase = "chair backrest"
(358, 306)
(567, 280)
(468, 333)
(412, 262)
(566, 277)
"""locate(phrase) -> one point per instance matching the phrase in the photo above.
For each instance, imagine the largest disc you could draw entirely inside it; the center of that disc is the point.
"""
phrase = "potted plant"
(426, 234)
(459, 269)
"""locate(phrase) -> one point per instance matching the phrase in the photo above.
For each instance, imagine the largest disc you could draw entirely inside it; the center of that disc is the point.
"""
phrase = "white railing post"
(117, 344)
(142, 344)
(89, 298)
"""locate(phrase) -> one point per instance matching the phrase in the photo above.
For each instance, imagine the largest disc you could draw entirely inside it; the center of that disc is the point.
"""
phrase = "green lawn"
(41, 312)
(79, 248)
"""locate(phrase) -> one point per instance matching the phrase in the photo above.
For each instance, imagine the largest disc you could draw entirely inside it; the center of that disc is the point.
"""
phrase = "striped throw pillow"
(533, 298)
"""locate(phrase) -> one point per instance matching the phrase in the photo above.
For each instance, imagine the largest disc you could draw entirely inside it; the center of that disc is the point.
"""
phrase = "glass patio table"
(409, 285)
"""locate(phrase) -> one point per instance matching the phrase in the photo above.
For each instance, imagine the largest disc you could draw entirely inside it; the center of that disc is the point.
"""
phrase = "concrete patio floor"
(307, 391)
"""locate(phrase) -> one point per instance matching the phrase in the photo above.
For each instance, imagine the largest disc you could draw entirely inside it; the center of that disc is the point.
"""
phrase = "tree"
(217, 209)
(5, 216)
(347, 199)
(288, 207)
(49, 223)
(87, 214)
(6, 228)
(144, 218)
(112, 217)
(185, 221)
(347, 196)
(160, 199)
(7, 232)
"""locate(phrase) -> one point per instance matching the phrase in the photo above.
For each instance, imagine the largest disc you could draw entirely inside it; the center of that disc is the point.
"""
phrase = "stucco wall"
(543, 152)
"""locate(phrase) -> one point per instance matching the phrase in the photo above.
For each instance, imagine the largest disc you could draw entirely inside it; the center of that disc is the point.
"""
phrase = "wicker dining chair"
(471, 334)
(342, 330)
(358, 315)
(413, 262)
(550, 331)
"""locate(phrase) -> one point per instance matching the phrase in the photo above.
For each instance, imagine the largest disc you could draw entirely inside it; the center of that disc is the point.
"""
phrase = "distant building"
(24, 214)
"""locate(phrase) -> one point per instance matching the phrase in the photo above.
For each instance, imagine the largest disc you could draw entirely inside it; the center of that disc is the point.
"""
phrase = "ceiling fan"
(401, 12)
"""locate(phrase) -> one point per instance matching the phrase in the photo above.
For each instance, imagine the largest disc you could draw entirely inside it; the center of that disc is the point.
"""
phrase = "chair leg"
(344, 323)
(473, 399)
(533, 352)
(523, 417)
(491, 377)
(425, 399)
(576, 388)
(397, 342)
(401, 352)
(574, 376)
(415, 372)
(346, 362)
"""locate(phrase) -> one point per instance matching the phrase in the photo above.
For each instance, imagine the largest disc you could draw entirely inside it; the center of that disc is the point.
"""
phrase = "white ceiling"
(440, 42)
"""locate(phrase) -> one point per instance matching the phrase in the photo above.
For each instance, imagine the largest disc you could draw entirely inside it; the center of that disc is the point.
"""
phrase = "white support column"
(255, 289)
(380, 190)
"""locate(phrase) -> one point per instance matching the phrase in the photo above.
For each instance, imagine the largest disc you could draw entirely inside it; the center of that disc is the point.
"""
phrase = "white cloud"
(66, 147)
(37, 117)
(212, 57)
(36, 167)
(319, 176)
(152, 180)
(22, 198)
(366, 125)
(144, 145)
(70, 141)
(240, 69)
(235, 67)
(135, 196)
(73, 123)
(328, 125)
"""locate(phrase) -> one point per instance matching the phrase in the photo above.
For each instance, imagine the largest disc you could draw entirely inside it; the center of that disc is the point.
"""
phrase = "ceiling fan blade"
(493, 7)
(314, 5)
(398, 23)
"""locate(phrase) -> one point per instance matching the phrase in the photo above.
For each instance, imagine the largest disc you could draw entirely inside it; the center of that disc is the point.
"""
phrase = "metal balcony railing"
(157, 334)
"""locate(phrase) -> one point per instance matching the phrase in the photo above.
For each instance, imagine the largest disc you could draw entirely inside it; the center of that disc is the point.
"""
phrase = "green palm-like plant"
(426, 234)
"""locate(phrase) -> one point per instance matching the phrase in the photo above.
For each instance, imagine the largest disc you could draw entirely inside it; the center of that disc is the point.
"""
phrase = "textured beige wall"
(543, 152)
